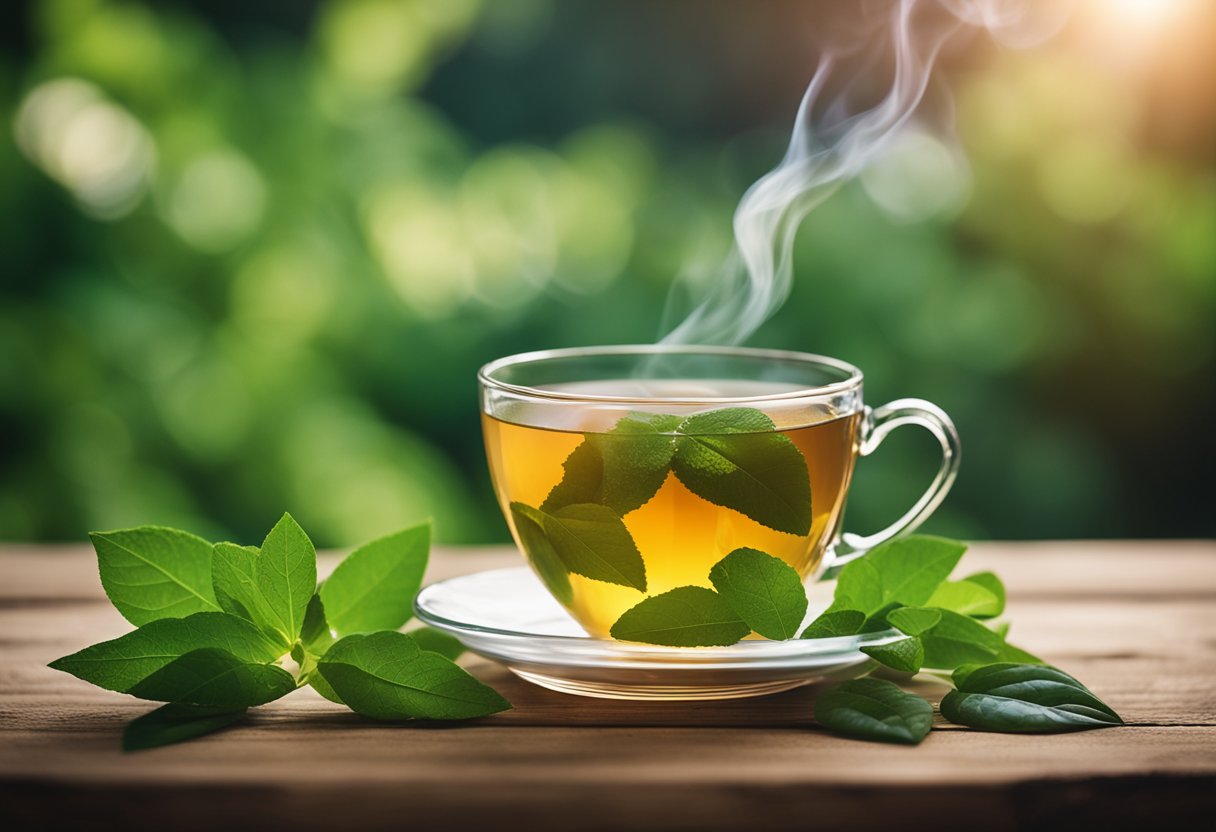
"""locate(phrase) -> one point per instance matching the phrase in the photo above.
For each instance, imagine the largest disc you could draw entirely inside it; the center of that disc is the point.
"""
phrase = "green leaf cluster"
(732, 457)
(222, 628)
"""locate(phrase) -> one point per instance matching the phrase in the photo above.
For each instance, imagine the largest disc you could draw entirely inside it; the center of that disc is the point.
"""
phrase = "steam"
(833, 141)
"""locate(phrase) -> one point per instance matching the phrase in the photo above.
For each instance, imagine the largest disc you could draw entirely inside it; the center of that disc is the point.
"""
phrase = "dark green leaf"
(123, 662)
(315, 634)
(1024, 698)
(687, 616)
(913, 620)
(374, 587)
(907, 654)
(593, 541)
(435, 641)
(176, 722)
(763, 590)
(287, 575)
(388, 676)
(621, 469)
(152, 572)
(835, 624)
(905, 571)
(735, 458)
(217, 678)
(529, 526)
(871, 709)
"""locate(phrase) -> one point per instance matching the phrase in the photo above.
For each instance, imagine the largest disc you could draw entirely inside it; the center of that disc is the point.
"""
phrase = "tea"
(629, 504)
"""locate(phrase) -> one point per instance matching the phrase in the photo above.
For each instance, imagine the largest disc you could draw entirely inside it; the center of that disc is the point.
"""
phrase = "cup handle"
(875, 426)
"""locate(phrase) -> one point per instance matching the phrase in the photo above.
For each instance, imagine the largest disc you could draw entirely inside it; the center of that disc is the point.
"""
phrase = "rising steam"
(834, 140)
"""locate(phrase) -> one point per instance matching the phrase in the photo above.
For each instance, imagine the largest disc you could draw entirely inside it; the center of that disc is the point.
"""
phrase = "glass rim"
(486, 374)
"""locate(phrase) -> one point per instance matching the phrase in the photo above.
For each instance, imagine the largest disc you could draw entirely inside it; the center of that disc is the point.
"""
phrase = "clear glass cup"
(626, 471)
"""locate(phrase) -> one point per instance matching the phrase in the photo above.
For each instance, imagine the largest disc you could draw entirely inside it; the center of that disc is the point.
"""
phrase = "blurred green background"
(253, 253)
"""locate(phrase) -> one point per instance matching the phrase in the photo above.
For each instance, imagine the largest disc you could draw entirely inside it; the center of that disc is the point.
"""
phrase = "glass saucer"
(508, 616)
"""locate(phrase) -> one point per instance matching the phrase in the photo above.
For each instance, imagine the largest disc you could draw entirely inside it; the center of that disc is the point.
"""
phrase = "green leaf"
(1024, 698)
(152, 572)
(735, 458)
(176, 722)
(374, 587)
(957, 640)
(621, 469)
(287, 575)
(315, 633)
(1009, 653)
(871, 709)
(317, 682)
(388, 676)
(123, 662)
(435, 641)
(217, 678)
(766, 592)
(905, 571)
(687, 616)
(529, 525)
(234, 579)
(968, 598)
(835, 624)
(593, 541)
(990, 582)
(913, 620)
(907, 654)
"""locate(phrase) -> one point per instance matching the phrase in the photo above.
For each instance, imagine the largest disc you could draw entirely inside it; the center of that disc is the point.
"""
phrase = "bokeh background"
(253, 253)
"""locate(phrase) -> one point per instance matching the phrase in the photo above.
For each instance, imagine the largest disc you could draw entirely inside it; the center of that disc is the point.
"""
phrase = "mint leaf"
(957, 640)
(592, 541)
(977, 598)
(217, 678)
(687, 616)
(435, 641)
(907, 654)
(905, 571)
(234, 577)
(621, 469)
(388, 676)
(151, 572)
(871, 709)
(1024, 698)
(735, 458)
(1009, 653)
(315, 634)
(176, 722)
(914, 620)
(766, 592)
(287, 575)
(374, 587)
(529, 526)
(123, 662)
(835, 624)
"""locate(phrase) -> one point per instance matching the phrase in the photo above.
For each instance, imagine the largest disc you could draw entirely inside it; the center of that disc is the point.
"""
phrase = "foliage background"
(255, 252)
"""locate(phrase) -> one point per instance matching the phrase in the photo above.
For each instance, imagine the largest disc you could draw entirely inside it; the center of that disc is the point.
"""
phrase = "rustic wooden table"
(1134, 621)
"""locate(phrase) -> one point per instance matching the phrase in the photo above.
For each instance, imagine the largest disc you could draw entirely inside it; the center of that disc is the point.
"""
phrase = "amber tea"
(629, 505)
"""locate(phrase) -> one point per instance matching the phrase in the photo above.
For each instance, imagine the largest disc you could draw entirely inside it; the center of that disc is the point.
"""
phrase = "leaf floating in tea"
(388, 676)
(765, 591)
(621, 469)
(734, 457)
(1024, 698)
(529, 524)
(152, 572)
(871, 709)
(835, 624)
(687, 616)
(907, 654)
(592, 541)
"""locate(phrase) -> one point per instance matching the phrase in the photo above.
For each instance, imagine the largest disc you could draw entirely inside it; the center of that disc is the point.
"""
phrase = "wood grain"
(1135, 621)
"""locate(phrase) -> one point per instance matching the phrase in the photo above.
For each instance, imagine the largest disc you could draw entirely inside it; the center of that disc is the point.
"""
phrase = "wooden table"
(1134, 621)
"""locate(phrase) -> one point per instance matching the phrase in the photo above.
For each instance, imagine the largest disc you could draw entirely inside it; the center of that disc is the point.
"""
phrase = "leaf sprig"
(217, 625)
